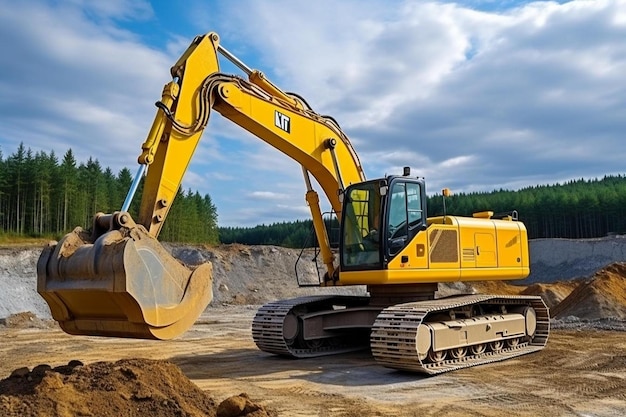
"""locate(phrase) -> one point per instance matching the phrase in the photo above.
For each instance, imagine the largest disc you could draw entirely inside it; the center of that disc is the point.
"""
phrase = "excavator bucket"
(119, 281)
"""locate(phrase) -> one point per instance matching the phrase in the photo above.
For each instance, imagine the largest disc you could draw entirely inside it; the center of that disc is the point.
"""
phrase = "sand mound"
(496, 287)
(601, 297)
(552, 294)
(129, 387)
(25, 320)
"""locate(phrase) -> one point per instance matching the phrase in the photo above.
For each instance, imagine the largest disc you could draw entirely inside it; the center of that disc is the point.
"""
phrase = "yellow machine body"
(455, 249)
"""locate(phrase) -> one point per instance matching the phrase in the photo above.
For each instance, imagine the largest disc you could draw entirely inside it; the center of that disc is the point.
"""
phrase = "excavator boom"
(118, 280)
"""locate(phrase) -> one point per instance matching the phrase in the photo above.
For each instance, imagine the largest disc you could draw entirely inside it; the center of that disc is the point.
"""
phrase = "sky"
(473, 95)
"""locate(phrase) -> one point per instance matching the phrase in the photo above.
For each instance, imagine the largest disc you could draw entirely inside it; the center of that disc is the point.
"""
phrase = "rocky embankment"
(582, 281)
(565, 259)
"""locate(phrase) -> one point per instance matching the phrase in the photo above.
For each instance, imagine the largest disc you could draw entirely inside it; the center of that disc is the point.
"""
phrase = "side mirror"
(383, 188)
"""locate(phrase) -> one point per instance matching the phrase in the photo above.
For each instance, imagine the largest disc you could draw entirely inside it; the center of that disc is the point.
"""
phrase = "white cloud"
(268, 195)
(471, 99)
(73, 81)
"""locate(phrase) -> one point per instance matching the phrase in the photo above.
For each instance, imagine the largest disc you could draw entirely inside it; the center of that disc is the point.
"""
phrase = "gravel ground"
(575, 323)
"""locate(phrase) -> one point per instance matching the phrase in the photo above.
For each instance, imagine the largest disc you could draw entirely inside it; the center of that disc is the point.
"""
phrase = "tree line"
(41, 195)
(295, 234)
(576, 209)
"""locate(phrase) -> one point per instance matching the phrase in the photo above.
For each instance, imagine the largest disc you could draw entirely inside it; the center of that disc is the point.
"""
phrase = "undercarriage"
(426, 335)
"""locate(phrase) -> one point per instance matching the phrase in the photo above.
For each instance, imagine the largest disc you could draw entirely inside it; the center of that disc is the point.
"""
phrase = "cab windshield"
(361, 227)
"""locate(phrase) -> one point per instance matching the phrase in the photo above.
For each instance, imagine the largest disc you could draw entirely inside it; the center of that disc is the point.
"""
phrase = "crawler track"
(394, 334)
(267, 327)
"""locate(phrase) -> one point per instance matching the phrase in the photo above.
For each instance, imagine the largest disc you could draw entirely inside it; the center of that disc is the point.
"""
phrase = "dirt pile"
(26, 320)
(126, 388)
(603, 296)
(552, 294)
(496, 287)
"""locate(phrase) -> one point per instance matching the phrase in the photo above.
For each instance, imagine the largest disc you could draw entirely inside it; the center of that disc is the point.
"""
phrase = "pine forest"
(42, 195)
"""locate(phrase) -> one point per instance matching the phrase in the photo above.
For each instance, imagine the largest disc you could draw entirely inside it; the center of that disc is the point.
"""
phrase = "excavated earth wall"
(564, 259)
(241, 275)
(258, 274)
(18, 282)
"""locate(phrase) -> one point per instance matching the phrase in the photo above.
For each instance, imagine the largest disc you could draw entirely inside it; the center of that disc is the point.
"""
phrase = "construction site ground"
(581, 372)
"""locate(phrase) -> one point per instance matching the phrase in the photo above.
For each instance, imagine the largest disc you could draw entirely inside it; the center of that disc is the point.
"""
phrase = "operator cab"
(380, 218)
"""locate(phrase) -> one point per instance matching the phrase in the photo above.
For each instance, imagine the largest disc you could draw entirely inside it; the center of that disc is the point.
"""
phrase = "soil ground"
(581, 372)
(578, 373)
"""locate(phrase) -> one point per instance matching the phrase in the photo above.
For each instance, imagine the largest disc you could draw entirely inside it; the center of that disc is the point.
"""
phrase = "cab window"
(361, 225)
(405, 215)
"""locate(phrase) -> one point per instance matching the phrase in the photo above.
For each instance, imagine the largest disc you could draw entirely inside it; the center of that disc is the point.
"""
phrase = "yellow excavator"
(117, 280)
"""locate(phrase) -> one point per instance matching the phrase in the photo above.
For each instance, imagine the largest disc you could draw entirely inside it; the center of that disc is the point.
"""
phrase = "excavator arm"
(282, 120)
(118, 280)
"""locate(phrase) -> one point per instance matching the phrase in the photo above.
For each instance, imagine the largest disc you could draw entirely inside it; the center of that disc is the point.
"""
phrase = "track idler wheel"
(120, 281)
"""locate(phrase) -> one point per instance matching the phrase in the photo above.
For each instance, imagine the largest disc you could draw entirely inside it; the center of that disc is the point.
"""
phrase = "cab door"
(406, 216)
